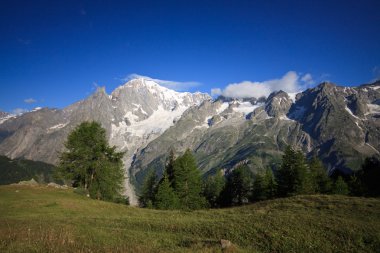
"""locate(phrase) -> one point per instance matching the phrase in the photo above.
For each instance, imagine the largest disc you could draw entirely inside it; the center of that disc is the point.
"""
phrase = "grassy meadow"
(42, 219)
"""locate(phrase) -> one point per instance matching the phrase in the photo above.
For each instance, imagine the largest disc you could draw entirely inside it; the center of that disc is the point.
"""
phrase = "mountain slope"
(133, 115)
(341, 125)
(338, 124)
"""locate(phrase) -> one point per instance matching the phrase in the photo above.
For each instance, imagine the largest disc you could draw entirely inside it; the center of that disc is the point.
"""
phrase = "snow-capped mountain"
(4, 116)
(133, 115)
(341, 125)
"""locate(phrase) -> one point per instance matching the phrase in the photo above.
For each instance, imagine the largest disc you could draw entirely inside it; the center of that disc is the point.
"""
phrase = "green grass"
(41, 219)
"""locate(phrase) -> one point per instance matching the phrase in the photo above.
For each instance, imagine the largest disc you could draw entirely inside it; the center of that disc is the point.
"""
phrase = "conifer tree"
(340, 187)
(238, 187)
(90, 163)
(370, 176)
(321, 181)
(293, 176)
(213, 186)
(166, 198)
(271, 184)
(148, 190)
(259, 188)
(169, 168)
(187, 182)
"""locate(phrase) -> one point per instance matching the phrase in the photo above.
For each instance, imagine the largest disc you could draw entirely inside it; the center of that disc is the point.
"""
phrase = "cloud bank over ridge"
(291, 82)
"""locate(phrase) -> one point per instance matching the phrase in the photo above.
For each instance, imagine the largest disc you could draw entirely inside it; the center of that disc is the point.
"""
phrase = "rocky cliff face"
(341, 125)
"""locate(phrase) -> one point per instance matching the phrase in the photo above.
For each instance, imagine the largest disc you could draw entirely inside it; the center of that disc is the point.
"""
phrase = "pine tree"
(148, 190)
(356, 185)
(340, 187)
(259, 189)
(271, 184)
(187, 182)
(238, 187)
(293, 176)
(286, 173)
(169, 168)
(321, 181)
(370, 176)
(90, 163)
(213, 186)
(166, 198)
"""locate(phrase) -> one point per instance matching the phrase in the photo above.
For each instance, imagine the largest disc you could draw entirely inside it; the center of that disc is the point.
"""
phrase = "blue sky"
(53, 53)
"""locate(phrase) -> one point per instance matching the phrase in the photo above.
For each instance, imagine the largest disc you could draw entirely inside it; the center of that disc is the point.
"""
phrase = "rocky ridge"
(341, 125)
(133, 115)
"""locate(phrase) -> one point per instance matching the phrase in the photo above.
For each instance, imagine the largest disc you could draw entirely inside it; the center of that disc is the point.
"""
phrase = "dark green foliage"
(271, 184)
(340, 187)
(14, 171)
(187, 182)
(365, 182)
(169, 167)
(166, 198)
(370, 177)
(91, 163)
(259, 188)
(180, 187)
(321, 181)
(238, 187)
(293, 175)
(149, 190)
(264, 186)
(355, 185)
(213, 186)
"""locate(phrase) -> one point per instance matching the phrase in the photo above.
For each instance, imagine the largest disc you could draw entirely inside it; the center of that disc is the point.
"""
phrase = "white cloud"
(19, 111)
(290, 82)
(174, 85)
(30, 100)
(308, 79)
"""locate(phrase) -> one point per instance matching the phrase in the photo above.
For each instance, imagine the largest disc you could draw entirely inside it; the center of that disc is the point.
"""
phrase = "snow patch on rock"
(245, 107)
(58, 126)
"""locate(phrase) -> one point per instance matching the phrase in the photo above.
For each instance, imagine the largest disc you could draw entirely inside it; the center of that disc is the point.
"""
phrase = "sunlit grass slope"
(41, 219)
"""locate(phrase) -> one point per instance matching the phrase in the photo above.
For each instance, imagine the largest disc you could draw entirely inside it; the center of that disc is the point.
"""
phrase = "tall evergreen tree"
(166, 198)
(321, 181)
(259, 188)
(148, 190)
(213, 186)
(271, 184)
(238, 187)
(340, 187)
(264, 186)
(169, 167)
(187, 182)
(293, 177)
(91, 163)
(370, 176)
